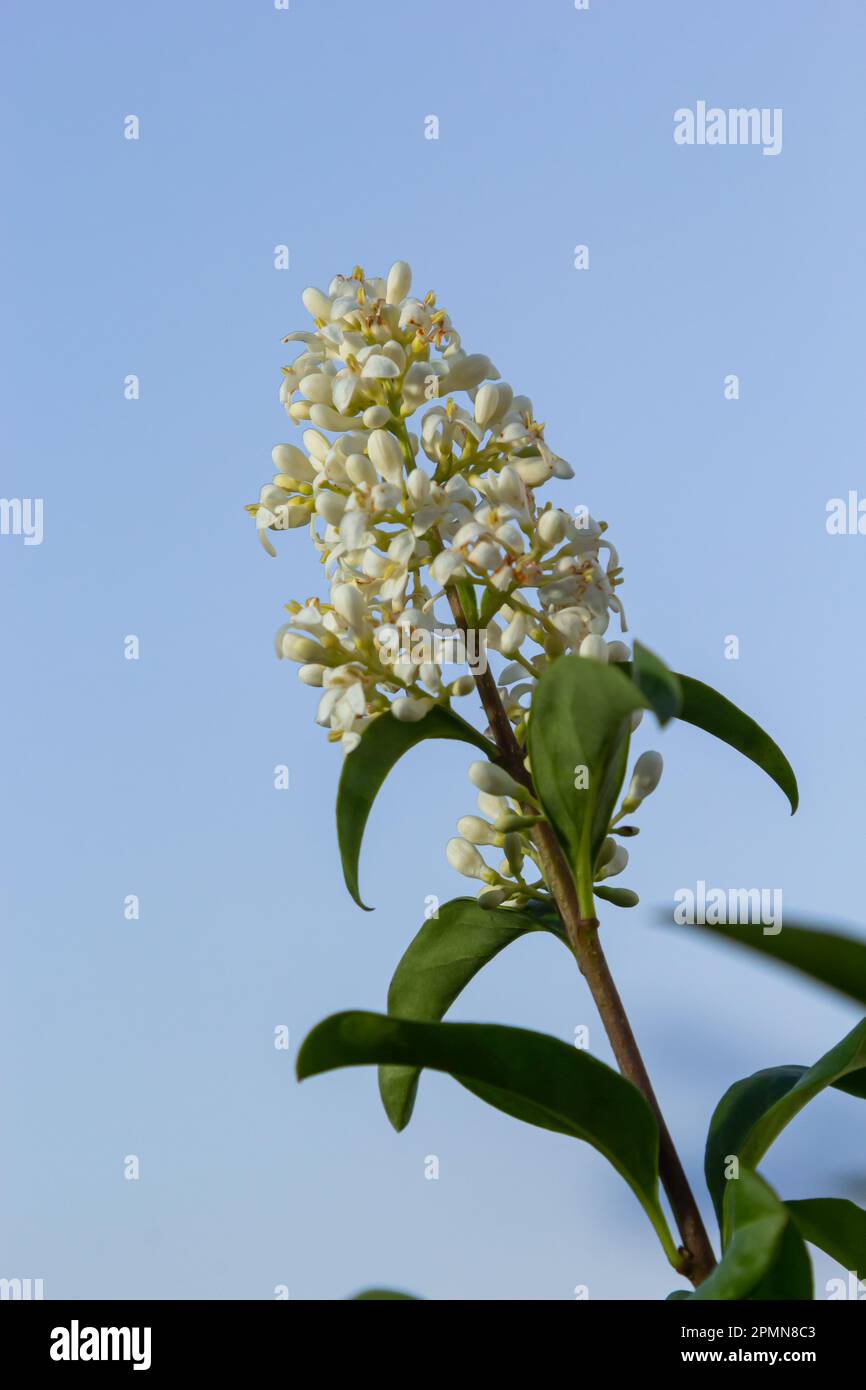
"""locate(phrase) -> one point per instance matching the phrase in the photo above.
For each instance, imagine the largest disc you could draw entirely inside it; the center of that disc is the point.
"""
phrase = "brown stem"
(697, 1254)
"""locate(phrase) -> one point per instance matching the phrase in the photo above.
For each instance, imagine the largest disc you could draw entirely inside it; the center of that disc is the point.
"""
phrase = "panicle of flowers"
(418, 471)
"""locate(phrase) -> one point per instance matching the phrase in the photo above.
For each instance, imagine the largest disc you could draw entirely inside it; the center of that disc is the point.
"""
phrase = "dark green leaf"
(368, 1294)
(660, 685)
(382, 743)
(580, 717)
(836, 1225)
(712, 712)
(847, 1057)
(836, 960)
(739, 1109)
(765, 1257)
(438, 964)
(527, 1075)
(754, 1111)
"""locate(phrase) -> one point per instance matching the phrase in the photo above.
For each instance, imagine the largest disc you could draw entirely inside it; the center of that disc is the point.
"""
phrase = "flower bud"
(330, 507)
(486, 404)
(465, 859)
(350, 605)
(317, 445)
(398, 283)
(302, 649)
(375, 416)
(511, 489)
(419, 485)
(645, 778)
(487, 777)
(490, 806)
(327, 418)
(290, 460)
(514, 635)
(595, 648)
(478, 831)
(618, 651)
(552, 526)
(514, 855)
(612, 864)
(464, 685)
(407, 709)
(386, 454)
(491, 897)
(360, 471)
(317, 387)
(312, 674)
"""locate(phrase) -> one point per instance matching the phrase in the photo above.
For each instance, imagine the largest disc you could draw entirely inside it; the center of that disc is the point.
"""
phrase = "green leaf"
(437, 965)
(847, 1057)
(660, 685)
(766, 1258)
(580, 719)
(383, 742)
(835, 1225)
(530, 1076)
(491, 602)
(468, 602)
(368, 1294)
(739, 1109)
(830, 957)
(754, 1111)
(712, 712)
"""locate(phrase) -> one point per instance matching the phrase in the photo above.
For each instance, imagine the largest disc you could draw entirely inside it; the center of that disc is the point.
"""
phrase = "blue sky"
(156, 258)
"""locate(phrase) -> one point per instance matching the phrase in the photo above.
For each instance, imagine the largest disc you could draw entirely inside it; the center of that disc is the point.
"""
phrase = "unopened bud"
(645, 778)
(487, 777)
(465, 858)
(478, 831)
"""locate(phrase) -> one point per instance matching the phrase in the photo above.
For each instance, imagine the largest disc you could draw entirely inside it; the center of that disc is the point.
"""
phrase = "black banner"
(156, 1338)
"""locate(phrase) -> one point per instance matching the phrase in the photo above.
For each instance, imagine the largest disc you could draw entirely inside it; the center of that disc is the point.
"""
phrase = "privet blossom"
(419, 469)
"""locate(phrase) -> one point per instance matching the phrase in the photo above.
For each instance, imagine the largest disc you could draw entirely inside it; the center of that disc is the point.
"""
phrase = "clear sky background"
(306, 128)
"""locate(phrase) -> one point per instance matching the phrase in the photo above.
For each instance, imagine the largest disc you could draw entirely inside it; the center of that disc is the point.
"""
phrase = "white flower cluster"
(504, 824)
(398, 514)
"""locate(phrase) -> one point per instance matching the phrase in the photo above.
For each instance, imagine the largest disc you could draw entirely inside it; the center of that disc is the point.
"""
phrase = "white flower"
(392, 536)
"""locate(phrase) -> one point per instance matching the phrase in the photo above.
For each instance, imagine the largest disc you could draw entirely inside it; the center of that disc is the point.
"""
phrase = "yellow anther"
(361, 295)
(438, 316)
(429, 299)
(450, 408)
(357, 273)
